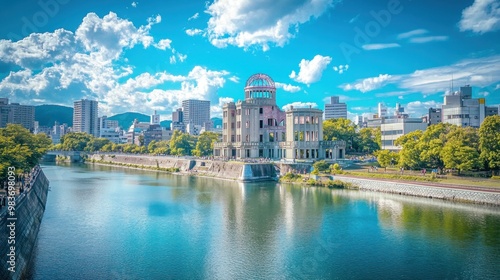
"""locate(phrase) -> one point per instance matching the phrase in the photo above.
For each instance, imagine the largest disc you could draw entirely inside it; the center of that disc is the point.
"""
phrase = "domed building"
(257, 128)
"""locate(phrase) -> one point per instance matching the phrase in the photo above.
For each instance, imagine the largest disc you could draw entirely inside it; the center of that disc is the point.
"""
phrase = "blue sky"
(150, 55)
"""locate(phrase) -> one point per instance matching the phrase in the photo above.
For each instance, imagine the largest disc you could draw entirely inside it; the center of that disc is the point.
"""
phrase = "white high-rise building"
(335, 110)
(382, 111)
(85, 117)
(196, 112)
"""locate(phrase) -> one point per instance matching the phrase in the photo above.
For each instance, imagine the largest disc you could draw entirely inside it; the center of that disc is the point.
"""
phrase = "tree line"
(181, 144)
(20, 149)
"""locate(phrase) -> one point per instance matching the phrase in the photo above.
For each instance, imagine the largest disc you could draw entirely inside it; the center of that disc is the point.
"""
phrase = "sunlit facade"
(257, 128)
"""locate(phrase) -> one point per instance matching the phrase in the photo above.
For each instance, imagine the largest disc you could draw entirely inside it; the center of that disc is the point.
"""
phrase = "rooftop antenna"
(452, 93)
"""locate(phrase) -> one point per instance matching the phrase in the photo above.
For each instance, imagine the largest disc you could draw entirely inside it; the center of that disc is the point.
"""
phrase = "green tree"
(367, 140)
(489, 142)
(181, 143)
(96, 144)
(20, 149)
(409, 156)
(431, 144)
(340, 129)
(321, 166)
(387, 158)
(75, 141)
(205, 144)
(459, 152)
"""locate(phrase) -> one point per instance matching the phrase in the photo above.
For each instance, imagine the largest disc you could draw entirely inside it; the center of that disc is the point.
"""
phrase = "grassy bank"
(303, 180)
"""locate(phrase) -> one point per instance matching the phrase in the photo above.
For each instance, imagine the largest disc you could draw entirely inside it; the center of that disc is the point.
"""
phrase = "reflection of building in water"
(256, 127)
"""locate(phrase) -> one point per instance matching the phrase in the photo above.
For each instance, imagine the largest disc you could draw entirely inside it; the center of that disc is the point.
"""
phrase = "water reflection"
(166, 226)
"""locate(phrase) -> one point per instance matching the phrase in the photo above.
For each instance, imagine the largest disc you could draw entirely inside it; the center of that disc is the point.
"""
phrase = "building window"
(261, 123)
(232, 125)
(283, 136)
(261, 110)
(247, 124)
(238, 124)
(247, 112)
(225, 125)
(301, 119)
(247, 138)
(225, 114)
(261, 153)
(271, 136)
(232, 113)
(232, 138)
(238, 138)
(296, 120)
(224, 138)
(270, 122)
(296, 136)
(308, 119)
(238, 112)
(261, 138)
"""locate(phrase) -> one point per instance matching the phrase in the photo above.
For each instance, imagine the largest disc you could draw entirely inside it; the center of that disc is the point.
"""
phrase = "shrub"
(495, 177)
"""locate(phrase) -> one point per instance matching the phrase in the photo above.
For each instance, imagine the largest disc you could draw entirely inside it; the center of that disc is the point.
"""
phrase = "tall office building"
(434, 116)
(196, 112)
(382, 111)
(85, 117)
(335, 110)
(461, 109)
(17, 114)
(177, 120)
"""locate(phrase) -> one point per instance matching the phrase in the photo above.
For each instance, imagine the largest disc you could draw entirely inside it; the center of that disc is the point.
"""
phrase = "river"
(104, 222)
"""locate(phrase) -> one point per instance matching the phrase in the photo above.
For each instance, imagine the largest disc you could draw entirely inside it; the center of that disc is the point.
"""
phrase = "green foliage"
(335, 167)
(181, 144)
(459, 152)
(96, 144)
(75, 141)
(495, 177)
(387, 158)
(20, 149)
(489, 142)
(369, 140)
(340, 129)
(205, 144)
(339, 184)
(291, 177)
(409, 156)
(321, 166)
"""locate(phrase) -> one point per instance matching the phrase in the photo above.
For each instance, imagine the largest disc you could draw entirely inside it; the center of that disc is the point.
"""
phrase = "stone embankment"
(201, 167)
(441, 192)
(28, 214)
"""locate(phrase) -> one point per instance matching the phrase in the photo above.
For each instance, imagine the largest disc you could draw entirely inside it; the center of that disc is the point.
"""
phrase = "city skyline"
(144, 56)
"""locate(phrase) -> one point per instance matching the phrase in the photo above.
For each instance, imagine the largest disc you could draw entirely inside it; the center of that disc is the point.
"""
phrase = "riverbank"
(238, 171)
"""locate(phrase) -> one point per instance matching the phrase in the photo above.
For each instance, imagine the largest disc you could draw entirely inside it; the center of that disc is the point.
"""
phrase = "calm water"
(112, 223)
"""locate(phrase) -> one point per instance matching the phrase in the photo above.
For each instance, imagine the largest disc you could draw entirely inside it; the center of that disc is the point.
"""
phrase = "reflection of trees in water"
(442, 222)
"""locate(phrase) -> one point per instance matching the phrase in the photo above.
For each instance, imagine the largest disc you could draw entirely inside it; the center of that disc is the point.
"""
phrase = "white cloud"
(234, 79)
(484, 93)
(246, 23)
(134, 4)
(412, 33)
(164, 44)
(341, 68)
(109, 35)
(401, 97)
(368, 84)
(419, 108)
(62, 66)
(370, 47)
(429, 39)
(299, 105)
(311, 70)
(172, 59)
(497, 87)
(287, 87)
(479, 72)
(195, 16)
(193, 32)
(481, 17)
(216, 110)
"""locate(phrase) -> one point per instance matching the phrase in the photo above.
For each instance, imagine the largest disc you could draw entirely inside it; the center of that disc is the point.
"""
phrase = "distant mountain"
(217, 121)
(125, 120)
(46, 115)
(166, 124)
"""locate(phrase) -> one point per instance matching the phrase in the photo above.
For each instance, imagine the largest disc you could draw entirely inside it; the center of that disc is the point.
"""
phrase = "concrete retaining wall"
(30, 207)
(424, 191)
(220, 169)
